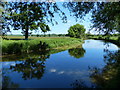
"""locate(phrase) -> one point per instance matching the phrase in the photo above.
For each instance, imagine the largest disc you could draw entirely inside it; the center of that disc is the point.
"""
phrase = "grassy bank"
(37, 44)
(112, 39)
(45, 53)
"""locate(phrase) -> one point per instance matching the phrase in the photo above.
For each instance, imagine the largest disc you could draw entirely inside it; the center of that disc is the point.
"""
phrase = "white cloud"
(6, 63)
(52, 70)
(61, 72)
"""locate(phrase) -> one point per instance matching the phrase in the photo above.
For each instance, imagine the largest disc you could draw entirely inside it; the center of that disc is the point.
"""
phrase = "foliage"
(79, 9)
(106, 17)
(4, 25)
(32, 15)
(77, 31)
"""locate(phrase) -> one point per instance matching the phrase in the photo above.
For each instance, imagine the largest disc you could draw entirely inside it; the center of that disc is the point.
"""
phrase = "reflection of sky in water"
(7, 64)
(67, 72)
(73, 73)
(62, 69)
(98, 44)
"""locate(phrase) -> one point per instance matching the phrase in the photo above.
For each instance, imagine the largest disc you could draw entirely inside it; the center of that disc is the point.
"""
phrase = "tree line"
(35, 15)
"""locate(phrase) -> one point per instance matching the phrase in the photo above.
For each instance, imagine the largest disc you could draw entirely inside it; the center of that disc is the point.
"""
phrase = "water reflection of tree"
(107, 77)
(32, 67)
(79, 84)
(77, 52)
(6, 81)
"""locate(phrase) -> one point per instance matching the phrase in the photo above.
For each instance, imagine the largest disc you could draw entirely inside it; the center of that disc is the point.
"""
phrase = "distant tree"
(77, 31)
(37, 35)
(59, 35)
(66, 35)
(49, 35)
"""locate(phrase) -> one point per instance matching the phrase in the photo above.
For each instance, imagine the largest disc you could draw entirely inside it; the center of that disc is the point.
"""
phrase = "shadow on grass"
(24, 47)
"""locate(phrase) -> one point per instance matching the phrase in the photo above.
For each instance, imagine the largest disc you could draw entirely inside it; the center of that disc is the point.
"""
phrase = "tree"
(4, 25)
(76, 31)
(106, 17)
(45, 29)
(32, 15)
(79, 9)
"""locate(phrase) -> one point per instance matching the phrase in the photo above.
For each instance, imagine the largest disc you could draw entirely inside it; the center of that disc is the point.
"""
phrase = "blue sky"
(62, 28)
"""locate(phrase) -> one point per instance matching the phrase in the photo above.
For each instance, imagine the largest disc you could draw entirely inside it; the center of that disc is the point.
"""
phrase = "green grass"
(104, 37)
(20, 46)
(112, 38)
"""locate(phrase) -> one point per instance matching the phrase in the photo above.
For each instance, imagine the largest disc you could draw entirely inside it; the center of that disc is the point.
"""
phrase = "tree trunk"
(26, 34)
(27, 25)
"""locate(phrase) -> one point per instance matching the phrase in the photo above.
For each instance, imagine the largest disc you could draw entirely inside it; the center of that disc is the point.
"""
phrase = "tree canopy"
(105, 15)
(76, 31)
(31, 16)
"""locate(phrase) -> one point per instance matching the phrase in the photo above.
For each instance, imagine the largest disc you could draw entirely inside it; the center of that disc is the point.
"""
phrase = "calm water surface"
(58, 70)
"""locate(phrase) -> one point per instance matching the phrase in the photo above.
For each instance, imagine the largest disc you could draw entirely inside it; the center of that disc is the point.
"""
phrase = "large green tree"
(77, 31)
(32, 15)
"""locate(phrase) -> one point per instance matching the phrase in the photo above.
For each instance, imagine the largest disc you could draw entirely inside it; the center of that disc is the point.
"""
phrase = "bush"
(77, 31)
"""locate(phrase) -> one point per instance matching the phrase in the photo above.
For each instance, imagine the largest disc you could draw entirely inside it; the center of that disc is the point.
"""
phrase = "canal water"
(73, 68)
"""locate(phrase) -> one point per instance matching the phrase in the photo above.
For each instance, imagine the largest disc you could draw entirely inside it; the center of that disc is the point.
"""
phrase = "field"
(18, 37)
(35, 44)
(113, 38)
(104, 37)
